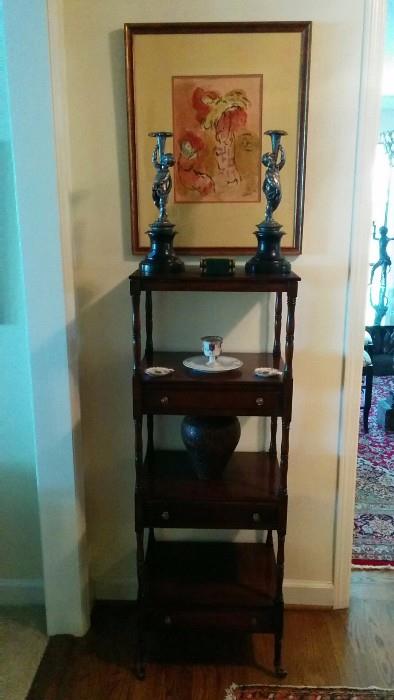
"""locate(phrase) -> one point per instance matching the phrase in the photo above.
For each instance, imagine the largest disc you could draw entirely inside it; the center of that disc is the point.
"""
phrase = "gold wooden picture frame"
(156, 54)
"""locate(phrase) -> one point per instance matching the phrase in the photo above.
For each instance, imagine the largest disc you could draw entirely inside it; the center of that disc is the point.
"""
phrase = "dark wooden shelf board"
(210, 574)
(191, 280)
(249, 477)
(184, 376)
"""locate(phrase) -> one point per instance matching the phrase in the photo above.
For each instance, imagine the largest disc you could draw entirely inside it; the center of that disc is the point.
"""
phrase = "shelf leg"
(150, 443)
(278, 324)
(149, 326)
(140, 670)
(280, 567)
(274, 426)
(284, 455)
(280, 672)
(140, 651)
(289, 347)
(136, 297)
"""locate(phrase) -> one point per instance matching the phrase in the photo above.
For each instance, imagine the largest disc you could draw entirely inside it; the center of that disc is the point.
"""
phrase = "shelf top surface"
(192, 279)
(183, 375)
(251, 477)
(210, 573)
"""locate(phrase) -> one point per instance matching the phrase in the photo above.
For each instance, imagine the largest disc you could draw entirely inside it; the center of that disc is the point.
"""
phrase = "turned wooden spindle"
(284, 455)
(278, 324)
(274, 426)
(289, 348)
(136, 298)
(149, 326)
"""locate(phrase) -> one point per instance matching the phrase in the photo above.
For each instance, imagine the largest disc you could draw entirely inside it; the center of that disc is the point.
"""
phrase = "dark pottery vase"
(210, 443)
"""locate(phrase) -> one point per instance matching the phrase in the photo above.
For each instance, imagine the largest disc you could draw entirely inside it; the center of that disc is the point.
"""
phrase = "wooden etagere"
(204, 584)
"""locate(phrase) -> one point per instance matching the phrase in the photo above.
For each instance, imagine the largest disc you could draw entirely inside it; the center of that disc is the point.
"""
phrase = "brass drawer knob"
(167, 620)
(256, 517)
(260, 401)
(165, 515)
(164, 400)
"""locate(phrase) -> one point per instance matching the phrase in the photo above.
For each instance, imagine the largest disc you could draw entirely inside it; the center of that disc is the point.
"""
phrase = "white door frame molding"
(367, 130)
(49, 292)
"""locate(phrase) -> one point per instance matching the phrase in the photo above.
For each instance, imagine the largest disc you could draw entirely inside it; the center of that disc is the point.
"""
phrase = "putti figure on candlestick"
(161, 257)
(268, 258)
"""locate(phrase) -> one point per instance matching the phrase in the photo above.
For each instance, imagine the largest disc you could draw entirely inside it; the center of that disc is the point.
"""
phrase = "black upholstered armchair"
(368, 372)
(382, 349)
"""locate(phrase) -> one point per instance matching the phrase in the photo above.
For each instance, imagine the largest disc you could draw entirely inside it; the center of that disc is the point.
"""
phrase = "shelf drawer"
(249, 620)
(212, 515)
(256, 402)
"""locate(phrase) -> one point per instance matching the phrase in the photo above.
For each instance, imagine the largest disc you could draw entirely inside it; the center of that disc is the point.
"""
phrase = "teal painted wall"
(20, 551)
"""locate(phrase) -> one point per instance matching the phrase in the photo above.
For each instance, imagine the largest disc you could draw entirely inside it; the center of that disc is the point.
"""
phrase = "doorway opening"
(373, 541)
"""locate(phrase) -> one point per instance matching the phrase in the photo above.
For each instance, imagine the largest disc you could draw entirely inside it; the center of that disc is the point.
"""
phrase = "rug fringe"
(375, 567)
(230, 692)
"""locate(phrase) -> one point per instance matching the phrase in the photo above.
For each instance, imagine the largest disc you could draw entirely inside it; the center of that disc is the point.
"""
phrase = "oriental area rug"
(373, 540)
(271, 692)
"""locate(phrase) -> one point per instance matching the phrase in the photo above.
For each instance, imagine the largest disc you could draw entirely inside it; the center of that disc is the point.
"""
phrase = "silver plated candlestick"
(268, 258)
(161, 257)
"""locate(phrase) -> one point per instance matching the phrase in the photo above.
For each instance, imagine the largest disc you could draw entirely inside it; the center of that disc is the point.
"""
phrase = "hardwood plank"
(382, 582)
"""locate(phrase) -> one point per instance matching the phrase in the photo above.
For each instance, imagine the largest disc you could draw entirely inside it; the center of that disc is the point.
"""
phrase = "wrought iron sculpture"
(268, 258)
(161, 257)
(384, 260)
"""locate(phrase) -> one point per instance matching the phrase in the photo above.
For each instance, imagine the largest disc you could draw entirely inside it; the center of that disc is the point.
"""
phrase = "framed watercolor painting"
(217, 88)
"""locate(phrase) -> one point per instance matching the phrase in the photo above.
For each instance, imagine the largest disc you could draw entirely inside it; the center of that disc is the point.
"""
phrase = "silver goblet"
(212, 348)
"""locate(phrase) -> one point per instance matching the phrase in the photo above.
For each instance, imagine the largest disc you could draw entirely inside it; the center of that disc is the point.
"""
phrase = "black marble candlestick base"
(268, 258)
(161, 257)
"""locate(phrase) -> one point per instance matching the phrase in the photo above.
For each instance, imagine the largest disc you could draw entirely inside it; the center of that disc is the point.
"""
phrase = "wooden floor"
(354, 647)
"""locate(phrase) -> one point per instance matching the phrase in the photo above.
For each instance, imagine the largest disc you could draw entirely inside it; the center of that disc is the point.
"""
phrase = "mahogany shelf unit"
(211, 585)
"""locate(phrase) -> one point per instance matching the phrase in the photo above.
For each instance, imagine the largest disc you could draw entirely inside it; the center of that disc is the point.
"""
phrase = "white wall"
(101, 234)
(20, 550)
(61, 505)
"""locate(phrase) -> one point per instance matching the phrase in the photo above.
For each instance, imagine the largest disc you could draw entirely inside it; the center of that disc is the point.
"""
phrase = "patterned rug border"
(230, 692)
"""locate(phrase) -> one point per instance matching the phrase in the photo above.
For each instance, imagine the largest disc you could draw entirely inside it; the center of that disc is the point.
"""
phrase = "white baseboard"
(31, 591)
(295, 591)
(23, 591)
(308, 593)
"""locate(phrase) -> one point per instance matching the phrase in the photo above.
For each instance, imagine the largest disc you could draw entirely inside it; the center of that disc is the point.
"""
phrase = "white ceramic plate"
(223, 363)
(267, 372)
(158, 371)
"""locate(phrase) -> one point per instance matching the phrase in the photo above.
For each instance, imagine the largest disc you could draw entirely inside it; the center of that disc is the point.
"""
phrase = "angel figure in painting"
(189, 164)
